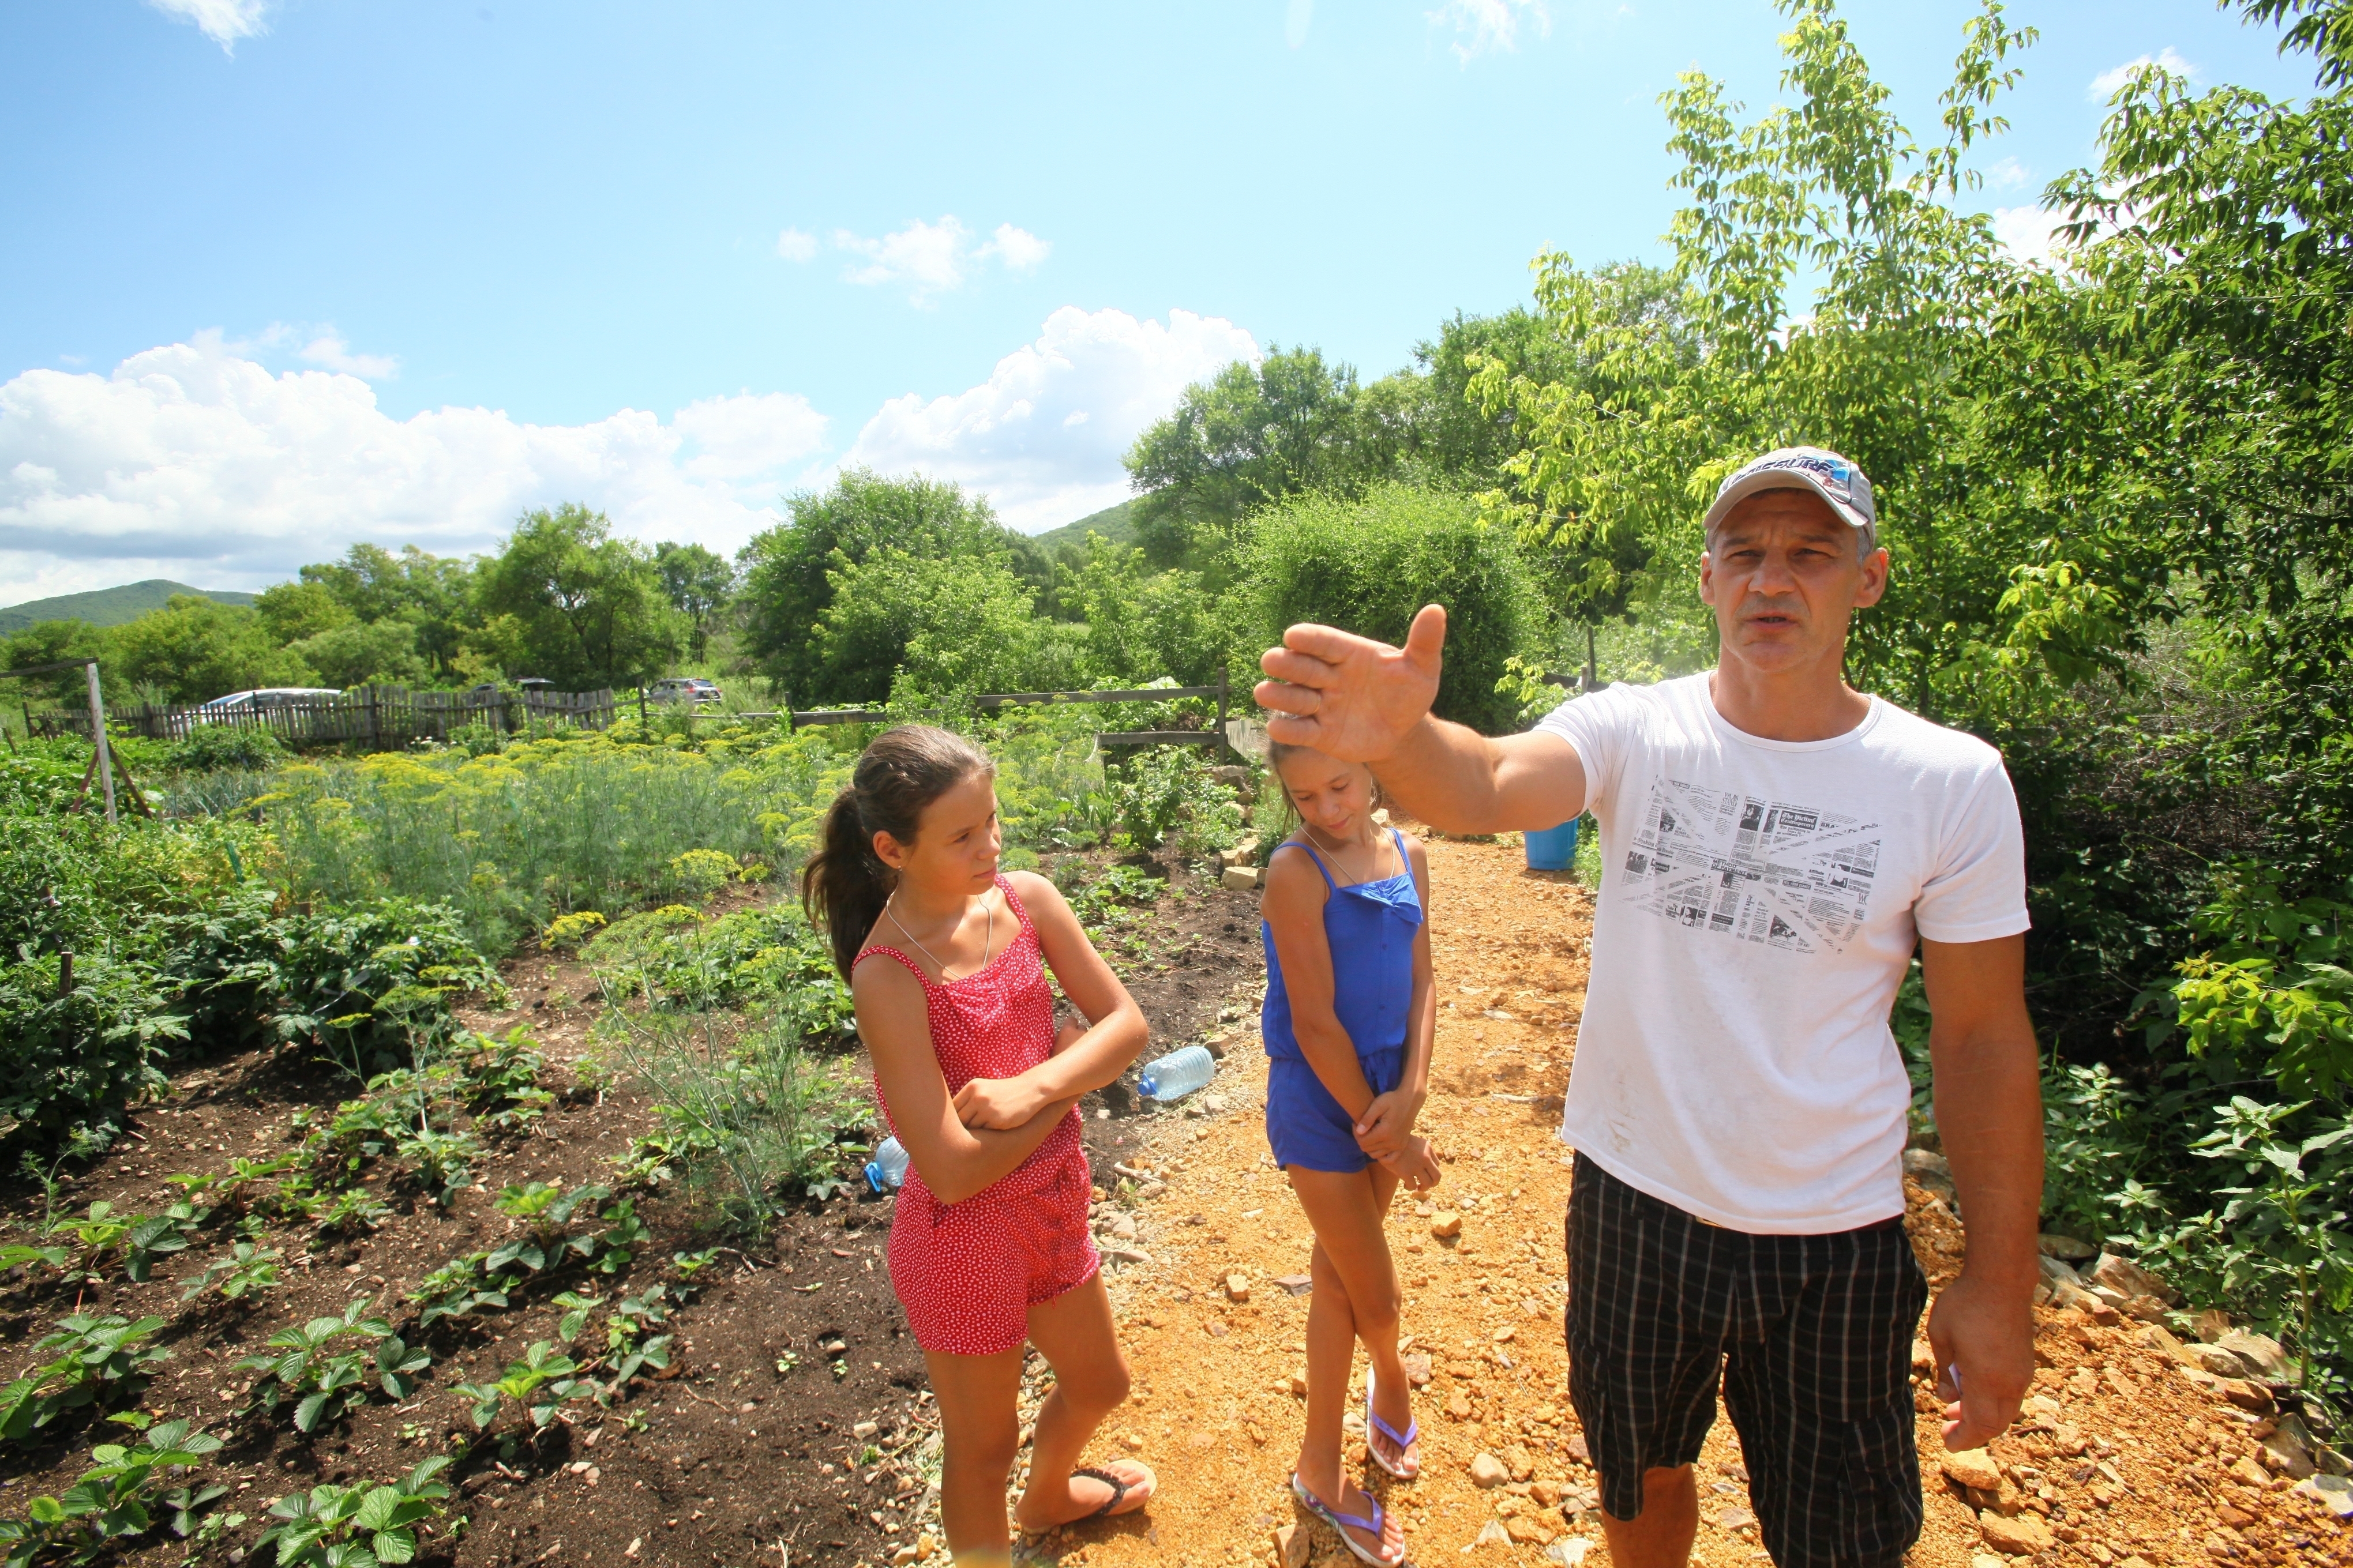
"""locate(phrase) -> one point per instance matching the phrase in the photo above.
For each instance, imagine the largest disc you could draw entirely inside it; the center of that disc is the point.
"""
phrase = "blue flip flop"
(1403, 1440)
(1342, 1523)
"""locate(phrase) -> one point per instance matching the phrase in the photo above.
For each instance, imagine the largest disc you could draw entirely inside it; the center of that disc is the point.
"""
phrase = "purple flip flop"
(1342, 1523)
(1403, 1440)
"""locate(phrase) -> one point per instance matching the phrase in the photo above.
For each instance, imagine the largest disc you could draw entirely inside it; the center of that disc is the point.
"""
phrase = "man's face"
(1783, 576)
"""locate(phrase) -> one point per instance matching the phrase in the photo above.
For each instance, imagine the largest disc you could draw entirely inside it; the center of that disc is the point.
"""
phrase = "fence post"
(1225, 743)
(105, 758)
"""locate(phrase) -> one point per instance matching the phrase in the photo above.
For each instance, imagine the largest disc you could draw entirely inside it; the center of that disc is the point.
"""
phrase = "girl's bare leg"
(1075, 1334)
(1354, 1299)
(980, 1433)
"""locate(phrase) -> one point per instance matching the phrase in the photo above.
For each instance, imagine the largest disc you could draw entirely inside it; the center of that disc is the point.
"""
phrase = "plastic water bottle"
(888, 1169)
(1178, 1074)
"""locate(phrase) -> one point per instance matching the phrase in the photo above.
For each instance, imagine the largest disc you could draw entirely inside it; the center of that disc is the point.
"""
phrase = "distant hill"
(109, 606)
(1113, 523)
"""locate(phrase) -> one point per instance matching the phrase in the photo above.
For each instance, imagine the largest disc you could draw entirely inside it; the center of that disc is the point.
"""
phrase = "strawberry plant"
(98, 1359)
(116, 1499)
(323, 1382)
(357, 1526)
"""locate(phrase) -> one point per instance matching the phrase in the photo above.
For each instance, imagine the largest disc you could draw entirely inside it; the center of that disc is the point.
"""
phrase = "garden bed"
(787, 1348)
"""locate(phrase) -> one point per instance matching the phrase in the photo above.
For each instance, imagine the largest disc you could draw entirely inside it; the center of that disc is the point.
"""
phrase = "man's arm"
(1990, 1116)
(1365, 701)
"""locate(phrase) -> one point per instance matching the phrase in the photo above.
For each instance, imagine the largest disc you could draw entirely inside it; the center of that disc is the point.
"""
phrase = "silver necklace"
(1318, 839)
(986, 943)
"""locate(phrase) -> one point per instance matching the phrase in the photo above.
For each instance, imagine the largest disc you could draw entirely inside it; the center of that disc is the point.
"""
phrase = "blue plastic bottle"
(888, 1169)
(1178, 1074)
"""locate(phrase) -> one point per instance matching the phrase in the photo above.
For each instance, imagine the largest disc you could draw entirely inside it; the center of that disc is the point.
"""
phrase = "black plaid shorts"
(1811, 1336)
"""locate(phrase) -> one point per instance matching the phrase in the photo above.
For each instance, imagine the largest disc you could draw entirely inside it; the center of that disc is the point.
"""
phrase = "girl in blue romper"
(1349, 1023)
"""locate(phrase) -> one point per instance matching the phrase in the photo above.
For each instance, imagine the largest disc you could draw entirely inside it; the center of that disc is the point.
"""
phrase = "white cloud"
(747, 437)
(329, 351)
(1044, 433)
(198, 462)
(222, 21)
(1481, 26)
(934, 258)
(1020, 250)
(795, 245)
(2007, 175)
(2104, 85)
(928, 258)
(2029, 234)
(194, 462)
(1295, 17)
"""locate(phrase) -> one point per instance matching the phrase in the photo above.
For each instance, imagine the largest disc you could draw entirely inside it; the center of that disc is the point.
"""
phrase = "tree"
(294, 610)
(48, 642)
(1142, 624)
(699, 584)
(432, 592)
(1606, 341)
(1248, 436)
(195, 650)
(906, 625)
(358, 654)
(588, 608)
(788, 571)
(1368, 564)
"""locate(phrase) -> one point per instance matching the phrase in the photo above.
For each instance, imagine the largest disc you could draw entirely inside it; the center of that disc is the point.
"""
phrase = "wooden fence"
(387, 717)
(379, 718)
(1213, 736)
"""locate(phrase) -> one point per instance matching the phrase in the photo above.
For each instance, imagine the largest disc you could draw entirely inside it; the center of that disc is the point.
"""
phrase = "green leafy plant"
(540, 1384)
(96, 1360)
(249, 1270)
(86, 1245)
(460, 1288)
(2276, 987)
(117, 1500)
(301, 1367)
(750, 1115)
(357, 1526)
(2289, 1254)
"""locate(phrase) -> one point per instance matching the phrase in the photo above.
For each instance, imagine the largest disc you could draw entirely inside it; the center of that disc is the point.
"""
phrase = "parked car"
(261, 699)
(684, 689)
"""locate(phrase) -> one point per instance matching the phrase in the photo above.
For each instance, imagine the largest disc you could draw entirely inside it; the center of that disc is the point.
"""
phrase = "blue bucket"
(1553, 849)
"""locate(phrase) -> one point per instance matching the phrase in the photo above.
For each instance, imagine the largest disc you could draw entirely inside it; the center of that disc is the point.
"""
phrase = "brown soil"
(722, 1463)
(2128, 1455)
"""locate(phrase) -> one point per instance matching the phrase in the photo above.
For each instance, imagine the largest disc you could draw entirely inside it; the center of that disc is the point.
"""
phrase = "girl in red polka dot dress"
(946, 958)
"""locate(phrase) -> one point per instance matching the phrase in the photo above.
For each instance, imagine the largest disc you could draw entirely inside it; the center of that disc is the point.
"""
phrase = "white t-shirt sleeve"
(1598, 727)
(1977, 891)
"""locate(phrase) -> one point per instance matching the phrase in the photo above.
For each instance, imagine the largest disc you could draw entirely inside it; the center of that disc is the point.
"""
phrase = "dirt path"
(2123, 1454)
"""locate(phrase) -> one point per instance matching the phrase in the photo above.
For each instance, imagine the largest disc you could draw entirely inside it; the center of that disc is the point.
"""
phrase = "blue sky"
(285, 275)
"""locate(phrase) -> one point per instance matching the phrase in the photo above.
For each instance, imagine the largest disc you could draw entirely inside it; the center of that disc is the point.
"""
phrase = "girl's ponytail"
(845, 884)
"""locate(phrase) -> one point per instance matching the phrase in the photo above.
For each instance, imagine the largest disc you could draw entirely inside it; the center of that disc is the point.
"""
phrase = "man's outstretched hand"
(1350, 696)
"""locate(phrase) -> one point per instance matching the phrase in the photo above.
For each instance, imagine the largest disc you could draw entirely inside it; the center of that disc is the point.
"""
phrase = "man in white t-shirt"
(1775, 845)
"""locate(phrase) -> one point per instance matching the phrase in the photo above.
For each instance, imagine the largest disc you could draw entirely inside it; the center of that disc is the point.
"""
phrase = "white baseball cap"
(1827, 475)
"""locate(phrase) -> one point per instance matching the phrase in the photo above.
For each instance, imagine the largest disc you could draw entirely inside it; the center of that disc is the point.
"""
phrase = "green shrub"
(1166, 793)
(769, 957)
(78, 1058)
(752, 1118)
(1368, 565)
(211, 748)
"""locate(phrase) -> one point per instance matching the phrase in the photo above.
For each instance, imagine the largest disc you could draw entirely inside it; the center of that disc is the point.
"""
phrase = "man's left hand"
(1987, 1332)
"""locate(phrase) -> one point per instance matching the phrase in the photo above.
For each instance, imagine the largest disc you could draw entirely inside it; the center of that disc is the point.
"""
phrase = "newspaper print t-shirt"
(1760, 905)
